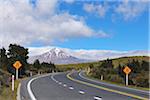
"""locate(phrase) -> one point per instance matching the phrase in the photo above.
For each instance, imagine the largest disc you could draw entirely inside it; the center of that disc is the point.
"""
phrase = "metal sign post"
(16, 74)
(126, 79)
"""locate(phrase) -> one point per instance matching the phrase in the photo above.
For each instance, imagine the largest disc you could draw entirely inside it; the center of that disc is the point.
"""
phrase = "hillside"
(116, 62)
(112, 70)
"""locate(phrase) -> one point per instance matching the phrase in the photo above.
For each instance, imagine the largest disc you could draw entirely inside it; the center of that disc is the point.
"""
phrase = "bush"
(114, 78)
(141, 80)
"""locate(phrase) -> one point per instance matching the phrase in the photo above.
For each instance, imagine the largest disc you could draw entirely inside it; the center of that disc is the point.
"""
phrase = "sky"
(75, 24)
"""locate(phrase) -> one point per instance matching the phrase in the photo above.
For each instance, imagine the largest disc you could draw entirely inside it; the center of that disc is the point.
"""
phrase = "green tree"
(37, 64)
(107, 64)
(145, 66)
(3, 59)
(17, 52)
(120, 71)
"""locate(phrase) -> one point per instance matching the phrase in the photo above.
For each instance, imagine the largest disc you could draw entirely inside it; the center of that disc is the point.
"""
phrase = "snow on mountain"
(104, 54)
(57, 56)
(68, 56)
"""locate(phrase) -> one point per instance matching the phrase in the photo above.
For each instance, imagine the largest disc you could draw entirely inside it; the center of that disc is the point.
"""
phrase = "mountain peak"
(57, 56)
(56, 53)
(56, 50)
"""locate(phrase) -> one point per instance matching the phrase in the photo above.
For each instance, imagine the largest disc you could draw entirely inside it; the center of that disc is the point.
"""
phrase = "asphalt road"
(75, 86)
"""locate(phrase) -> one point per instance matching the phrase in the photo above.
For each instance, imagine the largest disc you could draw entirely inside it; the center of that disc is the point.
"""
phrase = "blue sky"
(76, 24)
(131, 34)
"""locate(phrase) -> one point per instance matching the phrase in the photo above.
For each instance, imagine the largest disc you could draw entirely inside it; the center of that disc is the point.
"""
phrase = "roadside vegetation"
(111, 70)
(8, 58)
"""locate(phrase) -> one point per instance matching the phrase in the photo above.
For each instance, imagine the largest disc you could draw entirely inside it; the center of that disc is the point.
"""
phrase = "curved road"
(75, 86)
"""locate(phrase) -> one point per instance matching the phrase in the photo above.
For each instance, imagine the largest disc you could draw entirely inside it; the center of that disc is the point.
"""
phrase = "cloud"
(131, 9)
(97, 9)
(23, 23)
(128, 10)
(92, 54)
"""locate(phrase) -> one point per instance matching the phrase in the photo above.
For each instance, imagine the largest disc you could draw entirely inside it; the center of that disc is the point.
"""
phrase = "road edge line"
(106, 89)
(86, 78)
(29, 89)
(32, 96)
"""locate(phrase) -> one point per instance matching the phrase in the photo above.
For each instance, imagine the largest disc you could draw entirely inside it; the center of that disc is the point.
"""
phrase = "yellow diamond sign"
(127, 70)
(17, 64)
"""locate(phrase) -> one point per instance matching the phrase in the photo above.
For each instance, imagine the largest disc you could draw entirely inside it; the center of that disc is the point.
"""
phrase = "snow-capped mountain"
(68, 56)
(56, 56)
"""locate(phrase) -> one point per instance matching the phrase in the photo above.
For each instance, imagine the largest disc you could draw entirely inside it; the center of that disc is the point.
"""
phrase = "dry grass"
(7, 93)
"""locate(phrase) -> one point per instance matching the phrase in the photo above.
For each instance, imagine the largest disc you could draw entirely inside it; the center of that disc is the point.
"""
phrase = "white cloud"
(128, 9)
(99, 9)
(24, 24)
(131, 9)
(92, 54)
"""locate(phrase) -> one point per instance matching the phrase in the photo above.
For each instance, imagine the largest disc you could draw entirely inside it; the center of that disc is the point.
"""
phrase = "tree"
(107, 64)
(17, 52)
(37, 64)
(3, 59)
(145, 66)
(120, 71)
(135, 66)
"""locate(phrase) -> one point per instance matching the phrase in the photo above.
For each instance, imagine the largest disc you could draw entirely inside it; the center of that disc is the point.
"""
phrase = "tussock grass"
(7, 93)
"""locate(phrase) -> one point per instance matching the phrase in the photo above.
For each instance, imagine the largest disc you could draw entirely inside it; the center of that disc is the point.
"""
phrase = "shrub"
(114, 78)
(141, 80)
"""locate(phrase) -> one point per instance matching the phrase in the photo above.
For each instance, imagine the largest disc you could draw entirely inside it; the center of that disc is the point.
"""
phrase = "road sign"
(127, 70)
(17, 65)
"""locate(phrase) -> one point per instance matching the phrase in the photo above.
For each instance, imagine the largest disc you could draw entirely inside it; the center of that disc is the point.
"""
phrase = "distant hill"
(116, 61)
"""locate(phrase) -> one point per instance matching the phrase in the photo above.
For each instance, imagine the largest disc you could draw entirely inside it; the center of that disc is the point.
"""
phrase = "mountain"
(68, 56)
(104, 54)
(56, 56)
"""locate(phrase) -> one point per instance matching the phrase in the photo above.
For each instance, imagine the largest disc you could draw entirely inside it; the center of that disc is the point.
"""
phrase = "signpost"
(127, 70)
(17, 65)
(12, 82)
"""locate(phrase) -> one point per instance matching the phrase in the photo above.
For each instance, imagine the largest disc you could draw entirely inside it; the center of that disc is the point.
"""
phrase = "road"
(75, 86)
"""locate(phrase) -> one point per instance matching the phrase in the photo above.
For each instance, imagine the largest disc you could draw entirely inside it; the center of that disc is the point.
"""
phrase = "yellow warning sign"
(17, 64)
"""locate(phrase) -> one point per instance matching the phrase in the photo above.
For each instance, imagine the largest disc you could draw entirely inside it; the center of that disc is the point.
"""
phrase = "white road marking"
(71, 88)
(29, 89)
(97, 98)
(29, 86)
(52, 77)
(65, 85)
(60, 83)
(80, 74)
(81, 92)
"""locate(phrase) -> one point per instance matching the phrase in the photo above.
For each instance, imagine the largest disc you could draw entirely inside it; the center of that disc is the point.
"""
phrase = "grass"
(7, 93)
(116, 61)
(119, 84)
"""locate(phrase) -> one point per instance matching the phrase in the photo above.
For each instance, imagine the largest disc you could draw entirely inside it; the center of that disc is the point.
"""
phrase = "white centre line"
(60, 83)
(81, 92)
(65, 85)
(71, 88)
(97, 98)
